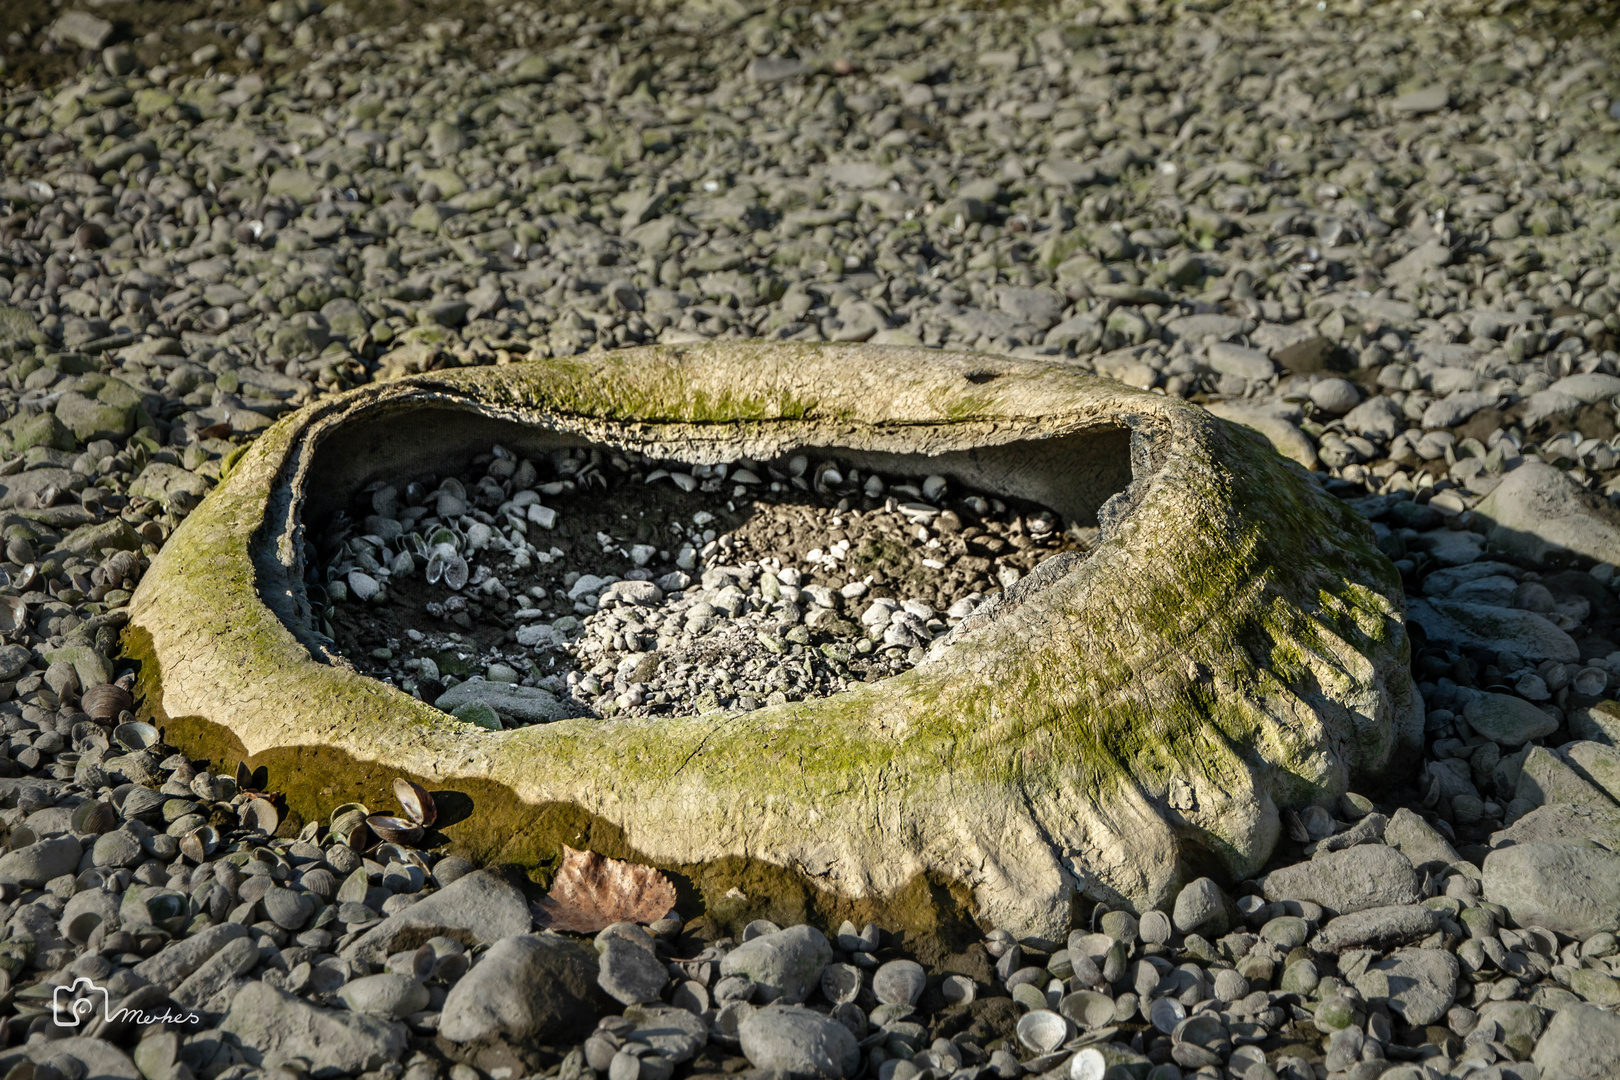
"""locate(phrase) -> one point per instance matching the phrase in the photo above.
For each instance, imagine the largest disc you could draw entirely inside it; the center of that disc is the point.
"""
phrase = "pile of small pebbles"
(726, 586)
(1384, 238)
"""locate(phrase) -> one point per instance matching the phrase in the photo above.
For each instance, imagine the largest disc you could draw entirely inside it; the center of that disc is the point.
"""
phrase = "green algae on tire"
(1109, 728)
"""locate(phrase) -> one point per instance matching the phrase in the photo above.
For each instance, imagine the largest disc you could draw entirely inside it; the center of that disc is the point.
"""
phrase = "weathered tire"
(1234, 644)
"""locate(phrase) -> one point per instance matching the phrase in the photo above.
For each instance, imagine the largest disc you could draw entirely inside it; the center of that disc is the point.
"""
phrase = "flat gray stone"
(1581, 1043)
(1547, 778)
(1569, 890)
(179, 959)
(1537, 511)
(675, 1033)
(786, 965)
(796, 1040)
(1508, 720)
(527, 987)
(478, 909)
(388, 994)
(1365, 876)
(101, 1060)
(1419, 841)
(273, 1027)
(1376, 418)
(35, 864)
(630, 972)
(1418, 102)
(1418, 984)
(82, 29)
(238, 957)
(524, 704)
(1523, 633)
(1380, 928)
(1201, 907)
(1564, 823)
(766, 70)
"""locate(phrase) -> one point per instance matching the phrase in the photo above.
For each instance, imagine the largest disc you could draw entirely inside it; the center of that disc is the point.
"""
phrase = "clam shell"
(259, 814)
(198, 845)
(389, 851)
(1088, 1064)
(1030, 996)
(135, 735)
(342, 858)
(416, 802)
(81, 926)
(140, 802)
(451, 967)
(344, 817)
(1155, 928)
(321, 882)
(390, 829)
(1201, 1029)
(840, 983)
(94, 816)
(1088, 1008)
(899, 982)
(107, 701)
(958, 989)
(1166, 1014)
(168, 910)
(1042, 1031)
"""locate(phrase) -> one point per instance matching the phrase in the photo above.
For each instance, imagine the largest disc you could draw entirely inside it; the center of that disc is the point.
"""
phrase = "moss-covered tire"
(1234, 644)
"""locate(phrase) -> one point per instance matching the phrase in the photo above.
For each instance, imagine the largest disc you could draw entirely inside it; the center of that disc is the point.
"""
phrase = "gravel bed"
(728, 586)
(1382, 237)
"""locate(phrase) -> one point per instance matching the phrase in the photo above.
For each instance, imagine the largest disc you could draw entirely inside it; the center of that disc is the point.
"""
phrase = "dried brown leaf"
(592, 892)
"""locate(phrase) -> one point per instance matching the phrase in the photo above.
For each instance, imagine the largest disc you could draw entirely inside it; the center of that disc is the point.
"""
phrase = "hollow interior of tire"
(1074, 473)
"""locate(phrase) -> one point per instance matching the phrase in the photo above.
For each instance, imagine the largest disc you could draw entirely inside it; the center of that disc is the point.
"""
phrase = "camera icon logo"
(72, 1005)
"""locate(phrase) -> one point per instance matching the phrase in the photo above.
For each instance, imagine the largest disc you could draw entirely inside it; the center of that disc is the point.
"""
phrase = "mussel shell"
(1042, 1031)
(455, 573)
(106, 701)
(13, 614)
(136, 735)
(390, 829)
(416, 802)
